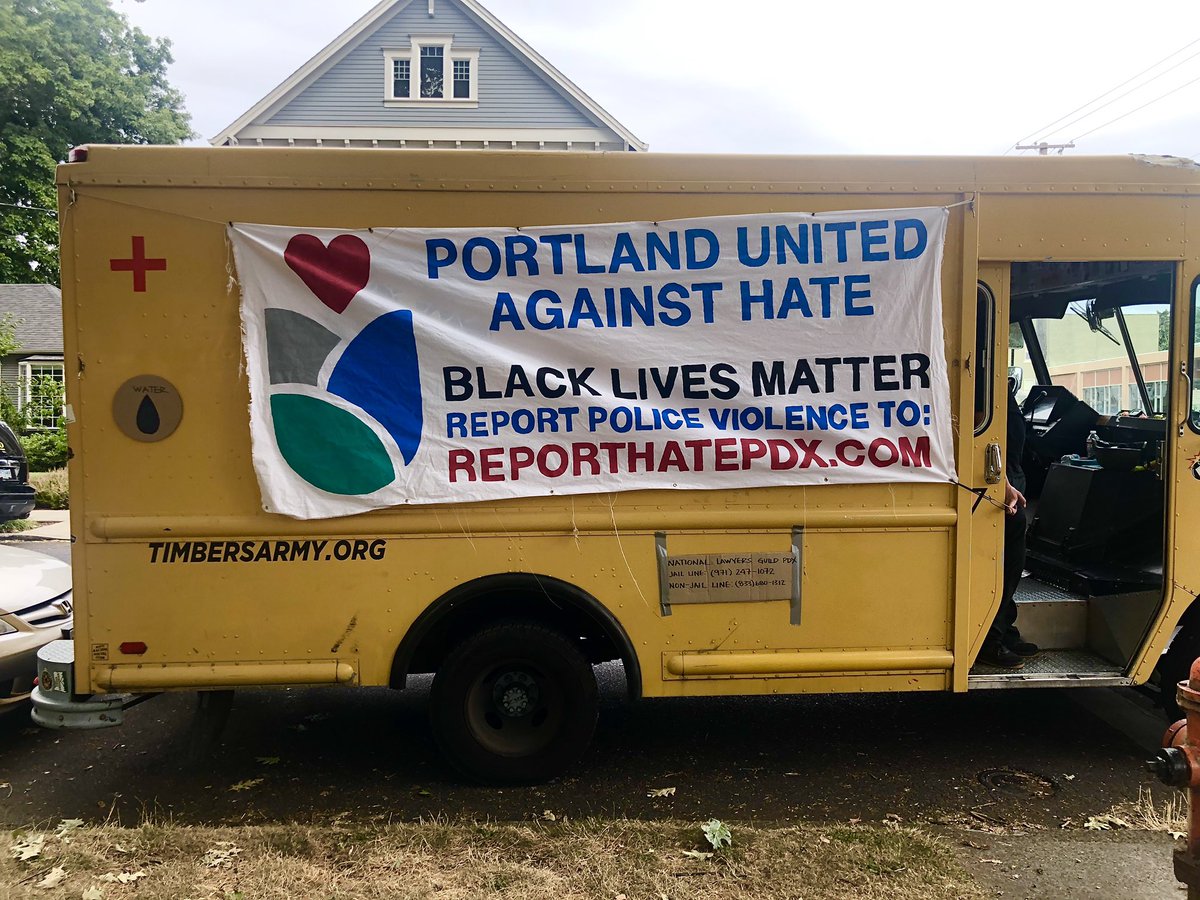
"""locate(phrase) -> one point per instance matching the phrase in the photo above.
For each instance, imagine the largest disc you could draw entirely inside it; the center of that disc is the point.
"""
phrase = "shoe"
(1023, 649)
(1001, 657)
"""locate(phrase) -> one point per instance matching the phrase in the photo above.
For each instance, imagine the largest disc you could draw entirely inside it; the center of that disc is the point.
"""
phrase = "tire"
(515, 703)
(1175, 665)
(208, 726)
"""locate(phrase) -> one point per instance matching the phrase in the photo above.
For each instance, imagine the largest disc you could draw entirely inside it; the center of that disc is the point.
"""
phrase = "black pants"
(1003, 630)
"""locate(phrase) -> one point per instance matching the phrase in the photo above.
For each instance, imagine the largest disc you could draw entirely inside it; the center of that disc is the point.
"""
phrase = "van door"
(990, 369)
(1182, 564)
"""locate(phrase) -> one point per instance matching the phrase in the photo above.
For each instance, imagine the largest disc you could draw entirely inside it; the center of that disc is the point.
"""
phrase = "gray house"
(36, 312)
(444, 74)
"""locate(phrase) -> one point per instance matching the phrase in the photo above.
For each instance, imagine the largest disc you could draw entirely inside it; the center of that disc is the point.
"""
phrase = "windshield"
(1101, 328)
(1088, 356)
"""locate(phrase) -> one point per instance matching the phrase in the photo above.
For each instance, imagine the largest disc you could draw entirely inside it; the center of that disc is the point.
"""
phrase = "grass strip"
(456, 861)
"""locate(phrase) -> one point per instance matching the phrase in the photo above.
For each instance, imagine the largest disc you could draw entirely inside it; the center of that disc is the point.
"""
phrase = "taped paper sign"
(409, 365)
(729, 577)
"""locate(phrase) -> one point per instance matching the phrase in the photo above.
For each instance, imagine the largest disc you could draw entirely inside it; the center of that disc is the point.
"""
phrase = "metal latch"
(993, 463)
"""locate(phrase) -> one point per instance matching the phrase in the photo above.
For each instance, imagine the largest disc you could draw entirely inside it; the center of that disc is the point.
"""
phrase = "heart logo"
(334, 273)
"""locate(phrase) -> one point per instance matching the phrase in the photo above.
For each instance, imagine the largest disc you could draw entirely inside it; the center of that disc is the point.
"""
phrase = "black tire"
(208, 726)
(513, 704)
(1175, 665)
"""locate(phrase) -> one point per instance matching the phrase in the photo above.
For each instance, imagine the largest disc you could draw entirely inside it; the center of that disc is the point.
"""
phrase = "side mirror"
(1016, 376)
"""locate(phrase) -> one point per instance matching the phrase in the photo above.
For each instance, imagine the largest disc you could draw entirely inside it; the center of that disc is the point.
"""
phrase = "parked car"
(35, 608)
(16, 493)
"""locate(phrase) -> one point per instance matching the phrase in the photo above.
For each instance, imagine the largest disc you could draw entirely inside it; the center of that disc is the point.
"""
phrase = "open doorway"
(1089, 350)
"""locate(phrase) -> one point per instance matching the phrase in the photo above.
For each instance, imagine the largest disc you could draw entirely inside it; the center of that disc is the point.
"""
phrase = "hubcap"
(515, 694)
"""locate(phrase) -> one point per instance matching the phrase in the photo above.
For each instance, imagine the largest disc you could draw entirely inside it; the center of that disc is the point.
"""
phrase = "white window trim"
(25, 383)
(412, 53)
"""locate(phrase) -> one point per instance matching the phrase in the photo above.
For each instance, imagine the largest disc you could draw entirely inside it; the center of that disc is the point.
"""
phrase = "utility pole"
(1043, 148)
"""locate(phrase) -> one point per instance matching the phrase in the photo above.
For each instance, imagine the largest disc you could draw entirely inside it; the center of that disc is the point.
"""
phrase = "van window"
(1195, 372)
(985, 329)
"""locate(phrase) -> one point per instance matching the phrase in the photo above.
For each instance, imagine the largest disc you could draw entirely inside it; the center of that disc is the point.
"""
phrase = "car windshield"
(1100, 330)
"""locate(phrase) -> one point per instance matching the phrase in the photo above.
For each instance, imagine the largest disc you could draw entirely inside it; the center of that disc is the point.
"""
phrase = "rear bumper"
(55, 704)
(16, 500)
(52, 709)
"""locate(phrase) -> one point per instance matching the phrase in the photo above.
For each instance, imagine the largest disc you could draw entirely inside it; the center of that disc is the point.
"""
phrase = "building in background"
(32, 377)
(440, 74)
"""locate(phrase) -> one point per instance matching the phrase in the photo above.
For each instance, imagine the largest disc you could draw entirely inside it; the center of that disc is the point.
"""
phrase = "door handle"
(993, 463)
(1187, 377)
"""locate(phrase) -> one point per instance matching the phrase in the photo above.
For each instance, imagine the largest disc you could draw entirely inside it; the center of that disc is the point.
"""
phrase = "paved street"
(1001, 757)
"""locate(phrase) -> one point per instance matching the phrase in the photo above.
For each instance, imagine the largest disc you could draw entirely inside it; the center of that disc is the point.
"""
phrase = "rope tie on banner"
(981, 494)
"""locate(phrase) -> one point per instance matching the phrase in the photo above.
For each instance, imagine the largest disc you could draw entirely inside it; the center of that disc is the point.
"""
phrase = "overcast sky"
(778, 76)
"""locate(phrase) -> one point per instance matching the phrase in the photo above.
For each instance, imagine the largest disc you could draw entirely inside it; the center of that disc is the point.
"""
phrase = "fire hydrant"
(1178, 764)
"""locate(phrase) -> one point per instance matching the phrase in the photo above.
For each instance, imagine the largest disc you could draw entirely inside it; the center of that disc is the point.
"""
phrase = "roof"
(37, 309)
(351, 37)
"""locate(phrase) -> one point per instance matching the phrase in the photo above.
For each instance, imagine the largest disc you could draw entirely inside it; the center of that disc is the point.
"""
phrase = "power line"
(1136, 109)
(1137, 87)
(53, 212)
(1149, 68)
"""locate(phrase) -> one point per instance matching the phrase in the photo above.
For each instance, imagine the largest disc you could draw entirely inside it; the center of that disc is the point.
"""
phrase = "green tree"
(71, 72)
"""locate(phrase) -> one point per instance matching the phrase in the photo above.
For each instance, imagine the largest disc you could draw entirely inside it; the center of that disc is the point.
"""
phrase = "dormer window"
(432, 70)
(401, 74)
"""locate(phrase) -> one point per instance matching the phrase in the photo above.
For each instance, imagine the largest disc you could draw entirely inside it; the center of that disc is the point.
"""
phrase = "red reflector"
(133, 648)
(77, 154)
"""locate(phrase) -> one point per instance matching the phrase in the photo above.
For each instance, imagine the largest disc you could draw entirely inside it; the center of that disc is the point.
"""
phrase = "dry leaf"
(696, 854)
(93, 893)
(824, 840)
(246, 785)
(53, 878)
(65, 827)
(267, 760)
(994, 862)
(549, 816)
(661, 792)
(28, 847)
(1105, 823)
(222, 856)
(122, 877)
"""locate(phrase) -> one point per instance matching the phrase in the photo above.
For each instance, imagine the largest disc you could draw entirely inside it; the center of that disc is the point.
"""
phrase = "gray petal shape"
(296, 347)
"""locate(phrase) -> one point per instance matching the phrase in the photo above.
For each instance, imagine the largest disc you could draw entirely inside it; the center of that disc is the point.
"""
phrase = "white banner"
(417, 365)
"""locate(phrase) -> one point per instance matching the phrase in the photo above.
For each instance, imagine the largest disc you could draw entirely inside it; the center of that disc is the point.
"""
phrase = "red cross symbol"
(138, 264)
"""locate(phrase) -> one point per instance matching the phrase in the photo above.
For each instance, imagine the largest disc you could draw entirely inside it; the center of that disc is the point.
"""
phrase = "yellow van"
(636, 435)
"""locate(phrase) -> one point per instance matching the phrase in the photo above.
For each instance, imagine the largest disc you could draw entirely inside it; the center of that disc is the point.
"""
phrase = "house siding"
(351, 91)
(9, 373)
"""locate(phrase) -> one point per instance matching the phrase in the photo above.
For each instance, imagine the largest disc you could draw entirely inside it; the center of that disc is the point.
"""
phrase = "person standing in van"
(1003, 645)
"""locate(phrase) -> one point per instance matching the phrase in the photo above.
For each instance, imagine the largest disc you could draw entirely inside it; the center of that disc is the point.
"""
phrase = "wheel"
(208, 725)
(1175, 665)
(513, 704)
